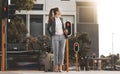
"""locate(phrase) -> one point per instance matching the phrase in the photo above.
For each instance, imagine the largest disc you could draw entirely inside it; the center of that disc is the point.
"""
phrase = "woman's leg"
(55, 45)
(61, 52)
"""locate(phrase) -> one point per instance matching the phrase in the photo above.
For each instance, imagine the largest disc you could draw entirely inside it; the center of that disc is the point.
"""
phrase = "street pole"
(3, 46)
(67, 55)
(76, 55)
(113, 50)
(93, 64)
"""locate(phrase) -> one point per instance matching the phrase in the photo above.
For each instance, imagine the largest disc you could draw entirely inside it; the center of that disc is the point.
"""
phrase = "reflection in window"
(36, 25)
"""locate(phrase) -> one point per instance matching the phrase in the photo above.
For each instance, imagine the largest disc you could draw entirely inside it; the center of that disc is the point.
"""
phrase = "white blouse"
(58, 26)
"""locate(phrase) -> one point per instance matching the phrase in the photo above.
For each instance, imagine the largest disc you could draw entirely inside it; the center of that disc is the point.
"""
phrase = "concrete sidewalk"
(70, 72)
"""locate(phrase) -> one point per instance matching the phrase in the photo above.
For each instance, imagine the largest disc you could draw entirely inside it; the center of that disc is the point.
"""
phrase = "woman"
(58, 33)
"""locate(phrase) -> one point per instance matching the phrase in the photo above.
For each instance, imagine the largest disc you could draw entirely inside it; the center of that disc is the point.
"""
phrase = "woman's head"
(54, 12)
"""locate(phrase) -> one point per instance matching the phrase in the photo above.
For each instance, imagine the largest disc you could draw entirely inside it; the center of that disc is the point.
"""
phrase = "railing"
(18, 57)
(16, 47)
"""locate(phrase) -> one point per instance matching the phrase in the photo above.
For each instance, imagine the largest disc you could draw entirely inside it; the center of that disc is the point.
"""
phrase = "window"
(65, 0)
(86, 15)
(86, 12)
(86, 4)
(37, 7)
(46, 31)
(36, 25)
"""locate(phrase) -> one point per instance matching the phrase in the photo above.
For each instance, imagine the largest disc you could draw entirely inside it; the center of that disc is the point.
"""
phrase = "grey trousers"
(58, 44)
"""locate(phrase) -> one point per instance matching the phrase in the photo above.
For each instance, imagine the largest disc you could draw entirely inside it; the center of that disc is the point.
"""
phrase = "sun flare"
(108, 20)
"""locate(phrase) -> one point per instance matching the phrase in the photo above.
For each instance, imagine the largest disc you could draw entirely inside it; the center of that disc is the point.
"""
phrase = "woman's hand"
(66, 31)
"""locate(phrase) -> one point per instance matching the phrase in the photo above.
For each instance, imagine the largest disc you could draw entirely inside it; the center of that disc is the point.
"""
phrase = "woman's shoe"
(55, 68)
(60, 68)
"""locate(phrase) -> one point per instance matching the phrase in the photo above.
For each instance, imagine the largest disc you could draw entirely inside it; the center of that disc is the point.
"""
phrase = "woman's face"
(58, 13)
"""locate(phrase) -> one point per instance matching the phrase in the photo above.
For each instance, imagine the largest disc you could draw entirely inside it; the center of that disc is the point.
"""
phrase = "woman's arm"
(49, 29)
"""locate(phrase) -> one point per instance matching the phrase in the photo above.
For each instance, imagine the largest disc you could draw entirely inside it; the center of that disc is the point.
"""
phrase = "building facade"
(82, 14)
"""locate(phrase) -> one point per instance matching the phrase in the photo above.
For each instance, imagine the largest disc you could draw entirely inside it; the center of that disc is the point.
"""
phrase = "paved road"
(70, 72)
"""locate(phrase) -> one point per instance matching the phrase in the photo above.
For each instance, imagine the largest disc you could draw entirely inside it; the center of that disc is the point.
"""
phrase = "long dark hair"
(52, 14)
